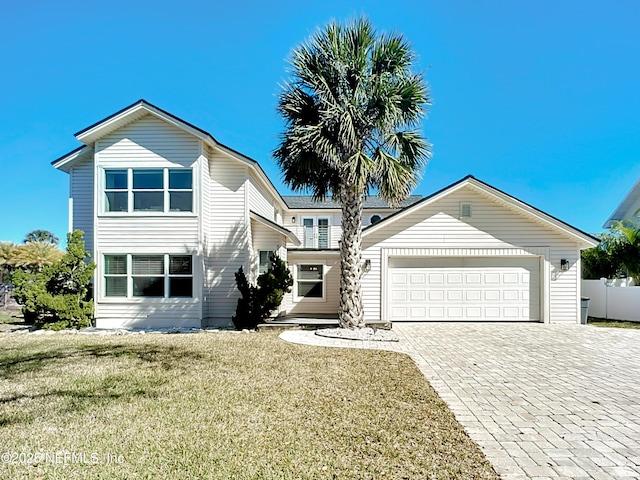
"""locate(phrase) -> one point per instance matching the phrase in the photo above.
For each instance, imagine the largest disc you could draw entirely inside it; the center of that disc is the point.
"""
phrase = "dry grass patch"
(601, 322)
(223, 406)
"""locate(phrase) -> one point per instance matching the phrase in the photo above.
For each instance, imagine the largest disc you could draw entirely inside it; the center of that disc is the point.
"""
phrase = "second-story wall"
(148, 143)
(226, 243)
(294, 218)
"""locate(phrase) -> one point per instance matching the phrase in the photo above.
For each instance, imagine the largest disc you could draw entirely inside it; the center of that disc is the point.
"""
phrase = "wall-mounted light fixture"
(564, 264)
(293, 219)
(367, 266)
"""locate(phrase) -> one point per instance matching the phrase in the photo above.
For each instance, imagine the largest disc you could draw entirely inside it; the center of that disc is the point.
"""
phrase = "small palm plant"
(351, 112)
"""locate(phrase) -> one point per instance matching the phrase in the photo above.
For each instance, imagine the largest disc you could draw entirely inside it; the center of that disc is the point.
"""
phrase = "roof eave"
(96, 131)
(274, 226)
(65, 162)
(618, 213)
(584, 239)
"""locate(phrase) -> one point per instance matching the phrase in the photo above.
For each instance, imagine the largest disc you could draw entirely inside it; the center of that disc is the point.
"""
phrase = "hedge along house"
(170, 214)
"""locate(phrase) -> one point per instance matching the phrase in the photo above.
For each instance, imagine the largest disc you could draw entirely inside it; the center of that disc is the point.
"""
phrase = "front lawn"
(221, 405)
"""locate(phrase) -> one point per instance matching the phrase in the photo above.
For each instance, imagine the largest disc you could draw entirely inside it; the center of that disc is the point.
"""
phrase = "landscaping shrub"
(58, 296)
(258, 301)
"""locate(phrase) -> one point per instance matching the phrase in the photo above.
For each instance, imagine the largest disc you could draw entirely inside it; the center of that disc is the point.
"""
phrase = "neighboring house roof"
(586, 240)
(274, 226)
(374, 202)
(622, 211)
(135, 112)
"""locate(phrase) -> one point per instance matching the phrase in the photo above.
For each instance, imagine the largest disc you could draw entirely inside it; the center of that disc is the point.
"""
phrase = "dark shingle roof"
(374, 201)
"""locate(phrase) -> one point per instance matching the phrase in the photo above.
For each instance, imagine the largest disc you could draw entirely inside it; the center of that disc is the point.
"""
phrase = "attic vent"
(465, 210)
(375, 219)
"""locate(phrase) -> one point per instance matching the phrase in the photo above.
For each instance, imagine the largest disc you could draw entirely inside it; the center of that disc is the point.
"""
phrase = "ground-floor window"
(158, 275)
(310, 281)
(265, 260)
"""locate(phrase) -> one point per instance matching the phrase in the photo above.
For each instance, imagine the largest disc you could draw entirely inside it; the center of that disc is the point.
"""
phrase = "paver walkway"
(542, 401)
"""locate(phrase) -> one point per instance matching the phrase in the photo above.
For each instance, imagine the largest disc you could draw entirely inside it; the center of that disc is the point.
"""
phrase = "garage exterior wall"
(437, 230)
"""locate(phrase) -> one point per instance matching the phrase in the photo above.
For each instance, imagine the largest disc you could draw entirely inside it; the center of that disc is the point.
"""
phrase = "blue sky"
(537, 98)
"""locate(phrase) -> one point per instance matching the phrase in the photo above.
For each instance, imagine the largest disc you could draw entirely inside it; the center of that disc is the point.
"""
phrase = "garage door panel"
(465, 289)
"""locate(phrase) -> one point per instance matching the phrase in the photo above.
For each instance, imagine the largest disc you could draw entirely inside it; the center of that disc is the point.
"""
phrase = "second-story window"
(154, 190)
(148, 191)
(316, 232)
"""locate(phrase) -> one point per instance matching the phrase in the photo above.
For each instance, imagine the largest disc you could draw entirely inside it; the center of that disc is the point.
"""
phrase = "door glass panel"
(307, 224)
(323, 233)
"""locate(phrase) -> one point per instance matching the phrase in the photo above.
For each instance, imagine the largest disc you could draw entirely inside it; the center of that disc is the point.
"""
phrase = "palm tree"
(33, 256)
(627, 246)
(41, 236)
(351, 114)
(7, 253)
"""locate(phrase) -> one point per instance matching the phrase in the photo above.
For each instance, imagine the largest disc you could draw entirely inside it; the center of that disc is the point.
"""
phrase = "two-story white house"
(170, 214)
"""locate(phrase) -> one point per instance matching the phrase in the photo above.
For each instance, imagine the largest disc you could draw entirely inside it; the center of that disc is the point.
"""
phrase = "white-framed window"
(316, 232)
(144, 275)
(264, 260)
(148, 190)
(310, 281)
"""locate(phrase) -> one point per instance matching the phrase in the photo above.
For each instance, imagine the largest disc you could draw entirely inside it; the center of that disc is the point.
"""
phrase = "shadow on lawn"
(15, 363)
(85, 387)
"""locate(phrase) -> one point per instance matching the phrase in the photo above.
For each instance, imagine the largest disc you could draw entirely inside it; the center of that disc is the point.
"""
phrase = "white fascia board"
(134, 112)
(410, 209)
(274, 226)
(255, 169)
(623, 205)
(65, 162)
(305, 252)
(583, 239)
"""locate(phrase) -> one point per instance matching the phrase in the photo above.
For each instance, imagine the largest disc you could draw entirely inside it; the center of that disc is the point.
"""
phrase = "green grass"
(223, 406)
(10, 315)
(601, 322)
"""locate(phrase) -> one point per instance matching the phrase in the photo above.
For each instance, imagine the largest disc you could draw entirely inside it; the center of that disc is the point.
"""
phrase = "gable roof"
(373, 201)
(624, 206)
(139, 109)
(586, 240)
(274, 226)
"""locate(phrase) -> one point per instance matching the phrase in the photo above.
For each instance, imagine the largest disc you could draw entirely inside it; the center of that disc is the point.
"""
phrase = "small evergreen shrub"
(59, 295)
(258, 301)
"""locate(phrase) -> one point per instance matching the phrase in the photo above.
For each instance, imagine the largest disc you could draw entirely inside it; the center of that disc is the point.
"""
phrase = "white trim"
(623, 205)
(99, 284)
(316, 230)
(275, 227)
(297, 298)
(585, 240)
(101, 188)
(534, 251)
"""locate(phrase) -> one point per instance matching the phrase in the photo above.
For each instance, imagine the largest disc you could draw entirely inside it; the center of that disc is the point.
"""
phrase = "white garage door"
(466, 289)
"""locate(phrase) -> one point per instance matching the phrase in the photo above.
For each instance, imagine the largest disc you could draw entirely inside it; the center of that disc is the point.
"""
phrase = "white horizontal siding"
(260, 202)
(148, 142)
(335, 224)
(205, 226)
(492, 226)
(81, 194)
(153, 233)
(335, 221)
(149, 314)
(264, 238)
(227, 240)
(308, 307)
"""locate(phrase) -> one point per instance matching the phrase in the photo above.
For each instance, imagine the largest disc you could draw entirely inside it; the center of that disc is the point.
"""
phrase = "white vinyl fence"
(612, 299)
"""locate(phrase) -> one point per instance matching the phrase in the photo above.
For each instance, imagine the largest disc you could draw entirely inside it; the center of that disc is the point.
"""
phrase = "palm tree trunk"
(350, 312)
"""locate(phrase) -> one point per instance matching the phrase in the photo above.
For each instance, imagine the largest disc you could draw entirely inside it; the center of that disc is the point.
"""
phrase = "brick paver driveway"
(543, 401)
